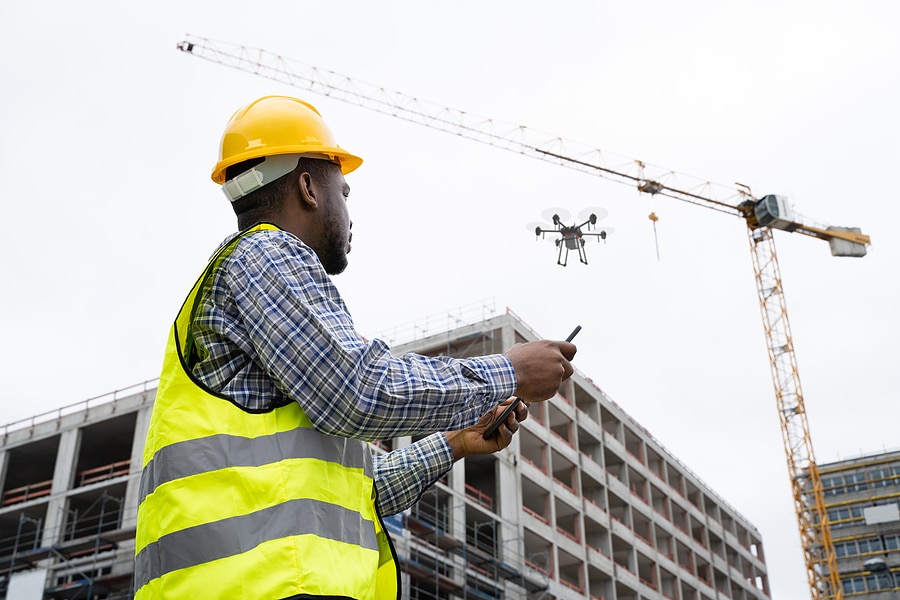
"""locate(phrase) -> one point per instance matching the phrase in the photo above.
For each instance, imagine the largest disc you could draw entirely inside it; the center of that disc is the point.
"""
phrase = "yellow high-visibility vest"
(251, 505)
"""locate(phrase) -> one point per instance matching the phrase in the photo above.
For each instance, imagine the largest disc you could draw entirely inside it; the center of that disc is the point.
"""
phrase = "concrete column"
(509, 492)
(456, 504)
(508, 336)
(4, 462)
(63, 476)
(132, 489)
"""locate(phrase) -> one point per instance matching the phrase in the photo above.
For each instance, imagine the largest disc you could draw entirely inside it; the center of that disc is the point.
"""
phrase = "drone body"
(572, 237)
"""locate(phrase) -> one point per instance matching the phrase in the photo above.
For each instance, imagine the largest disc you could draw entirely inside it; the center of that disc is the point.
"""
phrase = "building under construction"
(862, 499)
(583, 504)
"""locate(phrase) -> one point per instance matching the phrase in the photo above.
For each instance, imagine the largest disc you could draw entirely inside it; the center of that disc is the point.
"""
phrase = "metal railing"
(69, 409)
(439, 323)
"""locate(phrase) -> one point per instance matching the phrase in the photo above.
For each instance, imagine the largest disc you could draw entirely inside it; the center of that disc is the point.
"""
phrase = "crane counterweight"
(844, 247)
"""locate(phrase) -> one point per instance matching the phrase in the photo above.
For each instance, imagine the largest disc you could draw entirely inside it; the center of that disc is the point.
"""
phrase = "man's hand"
(466, 442)
(541, 367)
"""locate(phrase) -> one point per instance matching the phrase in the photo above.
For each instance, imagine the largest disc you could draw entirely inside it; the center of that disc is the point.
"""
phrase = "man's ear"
(307, 191)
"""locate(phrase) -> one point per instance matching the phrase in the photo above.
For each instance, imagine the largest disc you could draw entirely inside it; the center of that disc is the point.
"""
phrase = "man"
(258, 481)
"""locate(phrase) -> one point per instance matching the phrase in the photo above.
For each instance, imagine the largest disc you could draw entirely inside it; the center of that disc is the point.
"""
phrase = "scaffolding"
(85, 561)
(452, 549)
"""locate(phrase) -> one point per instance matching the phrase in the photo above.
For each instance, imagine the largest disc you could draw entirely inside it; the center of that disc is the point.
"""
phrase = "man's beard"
(333, 257)
(333, 254)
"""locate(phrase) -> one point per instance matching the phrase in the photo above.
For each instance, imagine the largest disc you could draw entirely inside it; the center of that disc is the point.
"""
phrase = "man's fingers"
(522, 411)
(512, 422)
(541, 367)
(567, 349)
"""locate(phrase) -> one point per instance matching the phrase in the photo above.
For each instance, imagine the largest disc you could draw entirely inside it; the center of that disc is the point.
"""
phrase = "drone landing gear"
(570, 244)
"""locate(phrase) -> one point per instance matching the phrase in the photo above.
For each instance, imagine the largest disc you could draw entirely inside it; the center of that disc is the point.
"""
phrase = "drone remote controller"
(512, 405)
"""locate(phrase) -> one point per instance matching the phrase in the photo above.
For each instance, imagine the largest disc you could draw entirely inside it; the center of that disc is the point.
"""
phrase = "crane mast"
(806, 486)
(760, 214)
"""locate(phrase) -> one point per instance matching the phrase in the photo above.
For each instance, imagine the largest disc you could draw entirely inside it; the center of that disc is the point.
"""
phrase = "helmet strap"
(265, 172)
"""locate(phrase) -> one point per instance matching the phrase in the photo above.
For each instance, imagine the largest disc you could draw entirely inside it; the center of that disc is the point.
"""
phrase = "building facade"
(862, 499)
(584, 504)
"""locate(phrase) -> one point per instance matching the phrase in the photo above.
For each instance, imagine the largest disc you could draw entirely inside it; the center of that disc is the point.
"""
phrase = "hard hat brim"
(348, 162)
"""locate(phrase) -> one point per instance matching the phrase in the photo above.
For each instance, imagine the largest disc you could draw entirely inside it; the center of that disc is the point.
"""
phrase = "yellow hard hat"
(274, 125)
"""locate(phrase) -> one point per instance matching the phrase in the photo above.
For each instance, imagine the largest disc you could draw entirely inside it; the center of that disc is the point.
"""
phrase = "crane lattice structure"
(761, 215)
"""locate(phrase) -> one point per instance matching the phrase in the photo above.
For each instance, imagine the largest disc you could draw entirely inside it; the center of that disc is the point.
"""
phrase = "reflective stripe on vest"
(237, 504)
(192, 457)
(221, 539)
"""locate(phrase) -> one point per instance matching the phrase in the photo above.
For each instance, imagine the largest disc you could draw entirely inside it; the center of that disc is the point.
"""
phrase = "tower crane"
(761, 215)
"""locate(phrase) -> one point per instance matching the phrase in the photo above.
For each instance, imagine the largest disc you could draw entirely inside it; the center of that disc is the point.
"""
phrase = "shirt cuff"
(497, 372)
(442, 454)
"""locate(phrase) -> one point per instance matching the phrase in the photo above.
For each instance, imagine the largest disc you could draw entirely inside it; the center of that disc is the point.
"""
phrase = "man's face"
(335, 240)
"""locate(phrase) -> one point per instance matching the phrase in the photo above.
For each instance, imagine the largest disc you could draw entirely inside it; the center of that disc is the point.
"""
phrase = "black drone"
(572, 237)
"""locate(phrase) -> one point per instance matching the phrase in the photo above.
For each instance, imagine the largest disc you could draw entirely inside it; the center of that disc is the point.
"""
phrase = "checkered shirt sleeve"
(272, 328)
(403, 475)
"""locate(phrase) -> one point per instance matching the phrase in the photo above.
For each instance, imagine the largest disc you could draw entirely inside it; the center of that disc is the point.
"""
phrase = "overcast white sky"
(108, 135)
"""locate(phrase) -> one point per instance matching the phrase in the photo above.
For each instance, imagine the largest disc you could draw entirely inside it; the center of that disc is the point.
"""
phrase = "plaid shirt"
(272, 328)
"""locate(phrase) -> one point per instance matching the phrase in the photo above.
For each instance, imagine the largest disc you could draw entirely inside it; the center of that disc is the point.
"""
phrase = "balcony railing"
(27, 492)
(479, 497)
(116, 469)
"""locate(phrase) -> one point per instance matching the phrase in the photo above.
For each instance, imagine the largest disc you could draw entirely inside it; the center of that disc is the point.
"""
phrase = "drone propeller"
(540, 229)
(598, 212)
(557, 216)
(601, 234)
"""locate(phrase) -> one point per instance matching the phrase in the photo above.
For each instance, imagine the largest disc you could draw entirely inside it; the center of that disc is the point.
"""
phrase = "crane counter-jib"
(762, 215)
